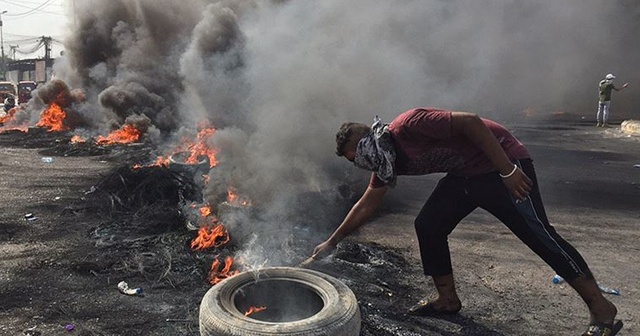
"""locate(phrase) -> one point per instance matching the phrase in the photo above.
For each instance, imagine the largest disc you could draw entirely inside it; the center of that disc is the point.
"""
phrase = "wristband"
(515, 167)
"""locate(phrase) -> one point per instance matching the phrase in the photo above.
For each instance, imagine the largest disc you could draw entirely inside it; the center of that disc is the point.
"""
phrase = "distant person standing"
(604, 105)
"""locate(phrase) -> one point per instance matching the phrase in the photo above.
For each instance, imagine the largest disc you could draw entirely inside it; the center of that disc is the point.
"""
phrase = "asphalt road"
(591, 189)
(588, 180)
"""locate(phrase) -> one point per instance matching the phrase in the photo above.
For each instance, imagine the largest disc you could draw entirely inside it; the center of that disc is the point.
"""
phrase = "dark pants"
(455, 197)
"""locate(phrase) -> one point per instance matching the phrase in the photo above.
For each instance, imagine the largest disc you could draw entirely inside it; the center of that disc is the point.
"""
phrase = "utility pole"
(13, 49)
(46, 40)
(4, 69)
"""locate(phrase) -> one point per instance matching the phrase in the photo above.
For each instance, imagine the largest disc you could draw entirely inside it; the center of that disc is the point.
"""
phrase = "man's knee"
(427, 228)
(421, 224)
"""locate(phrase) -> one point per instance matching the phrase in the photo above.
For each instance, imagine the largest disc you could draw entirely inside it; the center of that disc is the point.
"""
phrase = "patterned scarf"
(375, 152)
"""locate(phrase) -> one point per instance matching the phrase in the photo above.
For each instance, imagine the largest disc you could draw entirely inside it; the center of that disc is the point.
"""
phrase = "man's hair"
(349, 135)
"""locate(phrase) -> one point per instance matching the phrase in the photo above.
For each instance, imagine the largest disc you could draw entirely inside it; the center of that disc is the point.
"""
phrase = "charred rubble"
(143, 235)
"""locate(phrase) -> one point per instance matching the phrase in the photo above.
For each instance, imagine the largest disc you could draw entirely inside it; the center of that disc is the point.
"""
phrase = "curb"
(631, 127)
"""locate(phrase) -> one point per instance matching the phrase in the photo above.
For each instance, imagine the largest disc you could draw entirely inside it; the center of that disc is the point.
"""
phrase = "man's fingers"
(307, 262)
(529, 181)
(520, 185)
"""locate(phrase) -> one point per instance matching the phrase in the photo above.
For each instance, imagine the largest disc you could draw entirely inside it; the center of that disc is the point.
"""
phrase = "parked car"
(24, 90)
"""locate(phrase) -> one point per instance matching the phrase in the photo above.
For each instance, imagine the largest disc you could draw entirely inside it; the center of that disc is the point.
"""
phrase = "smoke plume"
(278, 78)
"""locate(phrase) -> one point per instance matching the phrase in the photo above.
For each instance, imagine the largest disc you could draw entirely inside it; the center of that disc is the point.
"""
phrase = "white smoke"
(278, 78)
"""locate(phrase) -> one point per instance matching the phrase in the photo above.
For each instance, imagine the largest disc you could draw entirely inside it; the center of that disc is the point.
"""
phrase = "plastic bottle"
(608, 290)
(47, 159)
(558, 279)
(124, 289)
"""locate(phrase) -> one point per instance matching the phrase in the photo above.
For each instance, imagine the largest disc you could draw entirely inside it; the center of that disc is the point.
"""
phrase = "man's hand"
(323, 250)
(518, 184)
(319, 252)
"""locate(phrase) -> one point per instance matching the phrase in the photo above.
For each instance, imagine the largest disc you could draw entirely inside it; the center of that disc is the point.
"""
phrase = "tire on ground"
(339, 316)
(177, 163)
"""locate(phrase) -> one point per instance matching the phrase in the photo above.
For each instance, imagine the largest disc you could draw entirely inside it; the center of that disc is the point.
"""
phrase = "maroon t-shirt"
(424, 144)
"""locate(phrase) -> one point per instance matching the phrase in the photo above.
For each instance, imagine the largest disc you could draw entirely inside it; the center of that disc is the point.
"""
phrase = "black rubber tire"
(177, 164)
(340, 315)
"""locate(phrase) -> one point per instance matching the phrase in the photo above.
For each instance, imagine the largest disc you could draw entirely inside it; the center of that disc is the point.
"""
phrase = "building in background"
(36, 69)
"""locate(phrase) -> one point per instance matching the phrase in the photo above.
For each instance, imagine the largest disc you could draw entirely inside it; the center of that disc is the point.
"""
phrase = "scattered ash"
(386, 284)
(66, 148)
(34, 137)
(142, 221)
(142, 237)
(142, 234)
(60, 144)
(145, 194)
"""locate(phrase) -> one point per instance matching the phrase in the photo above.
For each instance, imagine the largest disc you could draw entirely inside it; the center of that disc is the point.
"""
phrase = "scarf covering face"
(375, 152)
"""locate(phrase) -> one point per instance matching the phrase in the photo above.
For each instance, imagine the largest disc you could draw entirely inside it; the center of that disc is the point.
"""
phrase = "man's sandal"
(426, 308)
(603, 329)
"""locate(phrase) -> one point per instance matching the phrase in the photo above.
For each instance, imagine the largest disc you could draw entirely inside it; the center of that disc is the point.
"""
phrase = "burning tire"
(280, 301)
(178, 163)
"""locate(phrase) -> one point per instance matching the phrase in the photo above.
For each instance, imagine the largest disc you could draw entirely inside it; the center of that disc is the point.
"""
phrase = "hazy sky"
(26, 21)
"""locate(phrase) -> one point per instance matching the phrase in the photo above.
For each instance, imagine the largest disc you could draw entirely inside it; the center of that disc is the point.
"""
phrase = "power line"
(31, 11)
(28, 2)
(13, 3)
(59, 37)
(29, 40)
(22, 36)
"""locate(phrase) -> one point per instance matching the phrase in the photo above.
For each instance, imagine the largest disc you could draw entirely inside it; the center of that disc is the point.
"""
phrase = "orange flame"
(9, 116)
(53, 118)
(200, 147)
(205, 211)
(233, 198)
(216, 275)
(195, 148)
(78, 139)
(126, 134)
(8, 122)
(162, 161)
(253, 309)
(208, 238)
(232, 195)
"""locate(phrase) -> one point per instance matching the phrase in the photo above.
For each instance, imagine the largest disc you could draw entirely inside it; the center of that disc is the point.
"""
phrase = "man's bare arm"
(472, 127)
(368, 203)
(620, 89)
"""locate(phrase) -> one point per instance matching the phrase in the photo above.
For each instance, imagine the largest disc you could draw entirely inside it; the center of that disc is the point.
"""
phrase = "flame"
(232, 195)
(195, 148)
(10, 119)
(216, 275)
(9, 116)
(210, 237)
(200, 147)
(53, 118)
(253, 309)
(205, 211)
(78, 139)
(233, 198)
(162, 161)
(126, 134)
